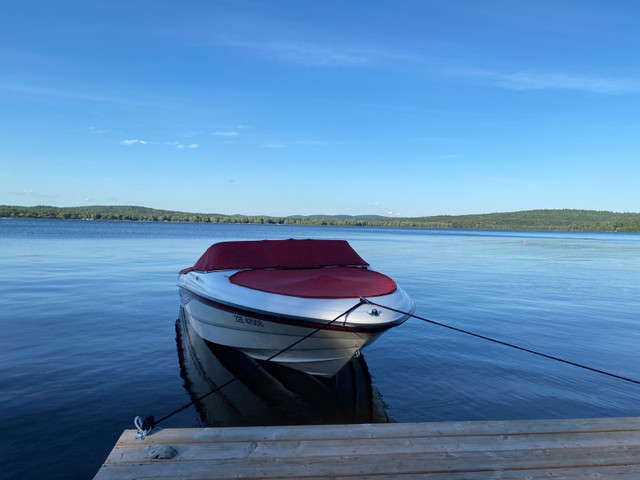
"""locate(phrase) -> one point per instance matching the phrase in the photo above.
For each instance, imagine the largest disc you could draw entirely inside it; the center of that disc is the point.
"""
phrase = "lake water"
(89, 338)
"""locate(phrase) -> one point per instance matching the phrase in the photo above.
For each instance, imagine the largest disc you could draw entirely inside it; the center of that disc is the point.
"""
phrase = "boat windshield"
(291, 253)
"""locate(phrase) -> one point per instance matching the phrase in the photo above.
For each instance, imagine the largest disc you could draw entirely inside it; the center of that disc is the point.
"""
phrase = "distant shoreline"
(550, 220)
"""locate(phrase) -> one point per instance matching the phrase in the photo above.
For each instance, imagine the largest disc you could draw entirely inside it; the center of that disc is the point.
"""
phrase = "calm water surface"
(89, 338)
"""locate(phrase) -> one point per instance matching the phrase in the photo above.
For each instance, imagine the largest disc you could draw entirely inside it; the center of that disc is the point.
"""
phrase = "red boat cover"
(328, 282)
(277, 254)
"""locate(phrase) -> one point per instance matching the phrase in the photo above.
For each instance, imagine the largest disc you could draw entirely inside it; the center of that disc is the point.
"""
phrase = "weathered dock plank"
(593, 448)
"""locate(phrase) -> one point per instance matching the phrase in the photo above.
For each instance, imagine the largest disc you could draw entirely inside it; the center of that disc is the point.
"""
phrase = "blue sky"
(289, 107)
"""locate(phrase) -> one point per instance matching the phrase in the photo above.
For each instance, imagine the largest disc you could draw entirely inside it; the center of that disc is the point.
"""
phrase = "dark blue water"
(88, 320)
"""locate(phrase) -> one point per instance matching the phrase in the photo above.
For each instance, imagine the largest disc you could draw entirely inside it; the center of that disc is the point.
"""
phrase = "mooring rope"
(506, 344)
(145, 426)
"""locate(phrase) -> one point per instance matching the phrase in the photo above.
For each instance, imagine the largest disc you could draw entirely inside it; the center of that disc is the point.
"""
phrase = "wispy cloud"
(43, 91)
(315, 54)
(180, 146)
(391, 213)
(22, 192)
(30, 193)
(317, 143)
(226, 134)
(132, 142)
(386, 211)
(531, 80)
(308, 54)
(98, 131)
(293, 143)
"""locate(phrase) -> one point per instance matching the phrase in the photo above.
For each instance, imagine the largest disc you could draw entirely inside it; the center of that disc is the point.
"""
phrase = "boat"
(302, 303)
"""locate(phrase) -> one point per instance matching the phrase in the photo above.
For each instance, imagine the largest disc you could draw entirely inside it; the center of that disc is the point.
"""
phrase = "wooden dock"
(600, 448)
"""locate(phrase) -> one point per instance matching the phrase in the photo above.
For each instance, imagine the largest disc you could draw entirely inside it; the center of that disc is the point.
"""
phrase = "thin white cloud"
(319, 143)
(181, 145)
(295, 143)
(36, 90)
(386, 211)
(98, 130)
(30, 193)
(226, 134)
(531, 80)
(134, 141)
(317, 55)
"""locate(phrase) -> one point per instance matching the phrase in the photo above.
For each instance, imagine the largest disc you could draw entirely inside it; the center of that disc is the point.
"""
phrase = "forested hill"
(567, 220)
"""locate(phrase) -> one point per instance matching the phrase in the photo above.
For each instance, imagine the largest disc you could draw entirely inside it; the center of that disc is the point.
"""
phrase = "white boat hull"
(262, 324)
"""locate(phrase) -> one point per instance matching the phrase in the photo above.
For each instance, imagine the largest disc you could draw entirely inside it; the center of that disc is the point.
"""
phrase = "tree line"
(565, 219)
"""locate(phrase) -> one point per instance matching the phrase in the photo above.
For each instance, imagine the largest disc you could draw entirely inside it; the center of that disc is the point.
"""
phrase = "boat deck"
(531, 449)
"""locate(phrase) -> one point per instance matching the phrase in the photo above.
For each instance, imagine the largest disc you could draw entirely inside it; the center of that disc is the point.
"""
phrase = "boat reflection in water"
(271, 394)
